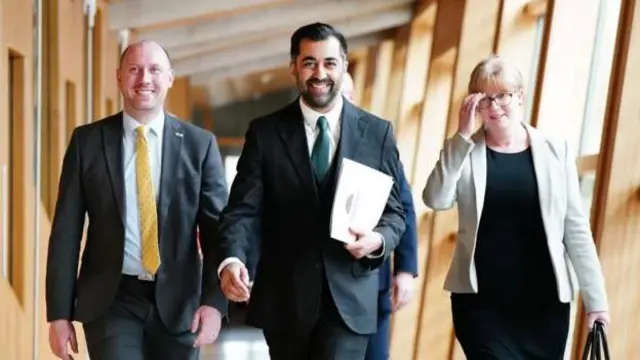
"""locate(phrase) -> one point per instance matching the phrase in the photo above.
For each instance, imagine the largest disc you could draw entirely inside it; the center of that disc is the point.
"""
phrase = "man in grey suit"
(147, 182)
(313, 296)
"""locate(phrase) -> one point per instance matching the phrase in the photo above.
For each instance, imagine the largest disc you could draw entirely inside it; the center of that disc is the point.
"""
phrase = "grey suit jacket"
(460, 177)
(193, 192)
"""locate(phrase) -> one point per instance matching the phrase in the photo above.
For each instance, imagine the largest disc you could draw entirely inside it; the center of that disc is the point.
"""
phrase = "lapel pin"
(179, 134)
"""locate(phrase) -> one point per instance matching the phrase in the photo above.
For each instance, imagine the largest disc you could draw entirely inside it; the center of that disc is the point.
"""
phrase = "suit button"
(318, 265)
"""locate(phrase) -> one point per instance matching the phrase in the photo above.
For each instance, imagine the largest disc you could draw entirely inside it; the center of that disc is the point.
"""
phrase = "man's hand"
(234, 281)
(366, 243)
(403, 288)
(61, 334)
(208, 321)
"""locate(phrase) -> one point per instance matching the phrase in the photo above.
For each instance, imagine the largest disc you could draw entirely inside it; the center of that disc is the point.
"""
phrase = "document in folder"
(360, 198)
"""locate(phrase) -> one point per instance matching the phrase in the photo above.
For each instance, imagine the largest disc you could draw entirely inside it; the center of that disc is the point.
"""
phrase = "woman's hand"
(466, 122)
(601, 316)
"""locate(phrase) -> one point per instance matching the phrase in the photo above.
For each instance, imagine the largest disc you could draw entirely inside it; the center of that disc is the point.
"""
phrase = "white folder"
(359, 201)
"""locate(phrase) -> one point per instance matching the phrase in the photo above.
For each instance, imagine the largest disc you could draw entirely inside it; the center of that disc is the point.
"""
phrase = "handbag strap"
(595, 349)
(603, 339)
(596, 345)
(588, 345)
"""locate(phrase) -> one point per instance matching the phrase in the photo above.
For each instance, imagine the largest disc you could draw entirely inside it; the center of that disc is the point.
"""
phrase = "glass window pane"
(599, 74)
(533, 74)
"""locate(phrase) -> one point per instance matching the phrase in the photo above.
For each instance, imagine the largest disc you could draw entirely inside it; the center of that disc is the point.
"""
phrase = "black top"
(512, 257)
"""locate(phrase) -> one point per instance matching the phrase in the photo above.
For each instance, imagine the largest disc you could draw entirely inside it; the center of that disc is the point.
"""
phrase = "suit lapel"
(172, 139)
(479, 169)
(293, 134)
(112, 134)
(351, 132)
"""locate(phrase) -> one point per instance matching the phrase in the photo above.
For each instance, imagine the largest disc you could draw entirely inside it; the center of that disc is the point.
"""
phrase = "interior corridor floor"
(237, 343)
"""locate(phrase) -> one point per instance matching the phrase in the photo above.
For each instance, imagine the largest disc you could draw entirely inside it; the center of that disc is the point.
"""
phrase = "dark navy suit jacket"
(405, 258)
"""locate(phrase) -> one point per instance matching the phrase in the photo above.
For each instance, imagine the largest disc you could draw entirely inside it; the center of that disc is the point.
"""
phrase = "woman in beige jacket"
(521, 227)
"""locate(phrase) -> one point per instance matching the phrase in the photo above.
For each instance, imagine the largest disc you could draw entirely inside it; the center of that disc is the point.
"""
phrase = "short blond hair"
(494, 69)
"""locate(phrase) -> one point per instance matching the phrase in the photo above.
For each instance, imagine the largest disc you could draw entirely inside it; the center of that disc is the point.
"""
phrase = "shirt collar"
(311, 116)
(130, 124)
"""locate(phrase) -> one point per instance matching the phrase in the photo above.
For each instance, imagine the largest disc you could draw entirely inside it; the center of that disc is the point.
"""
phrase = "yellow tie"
(146, 205)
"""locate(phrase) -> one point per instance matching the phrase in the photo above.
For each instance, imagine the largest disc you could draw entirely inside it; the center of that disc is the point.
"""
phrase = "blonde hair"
(495, 70)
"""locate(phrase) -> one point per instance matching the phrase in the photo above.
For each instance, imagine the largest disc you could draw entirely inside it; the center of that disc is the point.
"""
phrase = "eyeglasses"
(502, 99)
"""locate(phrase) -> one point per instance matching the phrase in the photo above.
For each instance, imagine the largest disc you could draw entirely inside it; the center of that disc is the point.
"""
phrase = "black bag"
(596, 345)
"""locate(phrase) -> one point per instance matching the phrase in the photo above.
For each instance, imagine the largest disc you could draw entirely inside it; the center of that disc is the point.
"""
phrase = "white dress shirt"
(132, 264)
(312, 130)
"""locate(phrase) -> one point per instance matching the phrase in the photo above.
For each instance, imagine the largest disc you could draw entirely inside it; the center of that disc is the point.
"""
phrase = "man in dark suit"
(146, 181)
(314, 297)
(397, 292)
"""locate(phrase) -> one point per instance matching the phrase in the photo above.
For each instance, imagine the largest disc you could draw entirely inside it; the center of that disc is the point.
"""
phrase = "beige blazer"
(460, 177)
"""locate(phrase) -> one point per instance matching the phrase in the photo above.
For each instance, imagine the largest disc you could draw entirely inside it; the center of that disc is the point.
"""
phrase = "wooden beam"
(587, 164)
(616, 207)
(414, 48)
(457, 53)
(378, 75)
(244, 68)
(359, 75)
(413, 87)
(276, 61)
(142, 13)
(178, 99)
(562, 89)
(519, 42)
(397, 73)
(230, 141)
(246, 27)
(222, 91)
(535, 8)
(246, 53)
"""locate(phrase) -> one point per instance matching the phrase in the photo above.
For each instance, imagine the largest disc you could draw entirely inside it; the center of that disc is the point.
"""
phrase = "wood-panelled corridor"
(410, 59)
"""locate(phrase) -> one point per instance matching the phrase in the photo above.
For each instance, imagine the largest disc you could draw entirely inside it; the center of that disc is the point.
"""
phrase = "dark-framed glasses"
(501, 99)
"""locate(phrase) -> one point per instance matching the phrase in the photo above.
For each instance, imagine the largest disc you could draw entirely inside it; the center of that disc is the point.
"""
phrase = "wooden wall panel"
(381, 77)
(371, 68)
(472, 41)
(396, 76)
(107, 102)
(461, 38)
(178, 99)
(16, 299)
(519, 40)
(63, 109)
(435, 108)
(562, 89)
(616, 216)
(414, 85)
(65, 70)
(359, 68)
(407, 323)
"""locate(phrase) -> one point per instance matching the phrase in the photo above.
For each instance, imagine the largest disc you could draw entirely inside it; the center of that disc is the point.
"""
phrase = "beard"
(317, 98)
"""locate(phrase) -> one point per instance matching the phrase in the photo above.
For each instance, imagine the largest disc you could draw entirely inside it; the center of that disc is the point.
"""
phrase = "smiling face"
(501, 106)
(318, 71)
(144, 77)
(502, 85)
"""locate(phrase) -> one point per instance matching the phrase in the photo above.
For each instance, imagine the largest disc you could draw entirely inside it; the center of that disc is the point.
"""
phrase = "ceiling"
(237, 49)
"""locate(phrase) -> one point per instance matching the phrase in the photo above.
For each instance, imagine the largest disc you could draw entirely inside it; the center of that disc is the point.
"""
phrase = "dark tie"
(320, 153)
